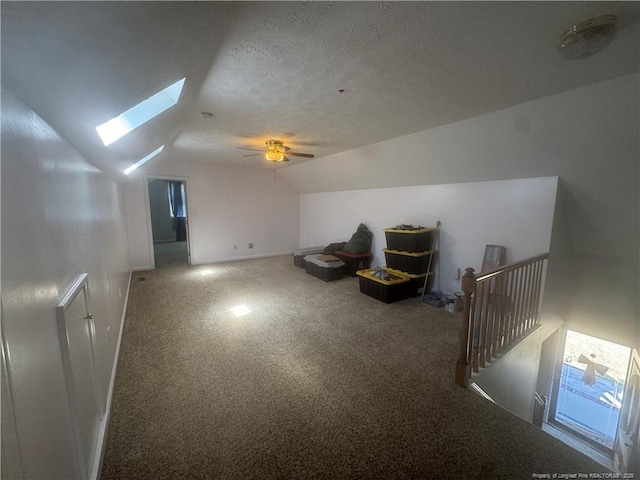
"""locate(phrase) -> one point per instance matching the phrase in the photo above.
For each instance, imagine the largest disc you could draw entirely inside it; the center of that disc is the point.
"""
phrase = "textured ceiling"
(274, 69)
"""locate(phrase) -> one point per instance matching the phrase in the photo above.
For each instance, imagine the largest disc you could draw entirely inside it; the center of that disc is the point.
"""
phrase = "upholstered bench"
(354, 261)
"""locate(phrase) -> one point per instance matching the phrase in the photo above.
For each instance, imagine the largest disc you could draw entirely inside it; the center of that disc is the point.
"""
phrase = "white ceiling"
(274, 69)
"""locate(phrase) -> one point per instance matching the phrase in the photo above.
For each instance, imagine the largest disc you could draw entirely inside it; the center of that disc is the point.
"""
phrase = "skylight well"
(130, 169)
(153, 106)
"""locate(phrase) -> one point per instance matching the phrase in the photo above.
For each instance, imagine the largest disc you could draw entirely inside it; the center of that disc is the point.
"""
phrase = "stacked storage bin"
(384, 285)
(409, 253)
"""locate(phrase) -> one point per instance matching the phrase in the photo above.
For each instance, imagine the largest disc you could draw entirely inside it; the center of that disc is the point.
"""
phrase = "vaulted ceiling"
(324, 77)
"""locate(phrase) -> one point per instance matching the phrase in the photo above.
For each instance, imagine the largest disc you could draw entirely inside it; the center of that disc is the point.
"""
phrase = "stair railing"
(501, 307)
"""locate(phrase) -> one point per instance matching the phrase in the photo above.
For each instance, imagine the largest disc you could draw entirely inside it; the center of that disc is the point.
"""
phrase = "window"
(142, 161)
(153, 106)
(589, 389)
(175, 191)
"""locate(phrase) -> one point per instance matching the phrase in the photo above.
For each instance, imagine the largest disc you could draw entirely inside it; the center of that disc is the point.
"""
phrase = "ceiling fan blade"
(255, 149)
(305, 155)
(252, 155)
(284, 159)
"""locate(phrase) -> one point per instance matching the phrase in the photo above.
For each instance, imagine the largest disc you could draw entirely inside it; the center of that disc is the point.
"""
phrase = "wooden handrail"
(501, 307)
(512, 266)
(462, 366)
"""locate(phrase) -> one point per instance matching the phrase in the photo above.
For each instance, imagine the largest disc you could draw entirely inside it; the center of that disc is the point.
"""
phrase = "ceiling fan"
(276, 151)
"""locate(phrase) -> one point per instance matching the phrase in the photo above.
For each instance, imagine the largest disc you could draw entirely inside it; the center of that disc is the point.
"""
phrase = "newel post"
(462, 365)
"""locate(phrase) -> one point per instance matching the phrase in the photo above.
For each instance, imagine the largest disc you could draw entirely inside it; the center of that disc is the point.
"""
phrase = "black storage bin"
(407, 262)
(416, 282)
(385, 291)
(322, 270)
(299, 254)
(409, 240)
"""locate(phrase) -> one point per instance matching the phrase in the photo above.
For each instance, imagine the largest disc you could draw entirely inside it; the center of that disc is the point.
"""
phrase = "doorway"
(169, 225)
(588, 390)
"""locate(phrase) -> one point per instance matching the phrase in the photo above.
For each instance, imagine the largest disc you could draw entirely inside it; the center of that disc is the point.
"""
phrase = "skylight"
(130, 169)
(119, 126)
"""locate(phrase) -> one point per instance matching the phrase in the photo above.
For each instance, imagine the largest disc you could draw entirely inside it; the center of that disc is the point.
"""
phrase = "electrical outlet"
(120, 292)
(235, 247)
(109, 334)
(251, 245)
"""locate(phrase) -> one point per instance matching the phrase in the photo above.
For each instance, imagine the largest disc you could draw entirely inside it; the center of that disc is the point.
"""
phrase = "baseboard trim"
(476, 388)
(104, 424)
(579, 445)
(142, 269)
(233, 259)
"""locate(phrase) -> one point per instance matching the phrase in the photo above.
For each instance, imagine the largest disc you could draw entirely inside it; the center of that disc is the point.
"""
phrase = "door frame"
(10, 446)
(629, 427)
(147, 203)
(553, 400)
(80, 287)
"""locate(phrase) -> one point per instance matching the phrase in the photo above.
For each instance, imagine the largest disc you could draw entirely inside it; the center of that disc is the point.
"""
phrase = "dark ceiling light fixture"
(587, 38)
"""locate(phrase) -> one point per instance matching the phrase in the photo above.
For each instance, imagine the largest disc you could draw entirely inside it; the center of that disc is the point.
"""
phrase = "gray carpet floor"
(170, 253)
(316, 381)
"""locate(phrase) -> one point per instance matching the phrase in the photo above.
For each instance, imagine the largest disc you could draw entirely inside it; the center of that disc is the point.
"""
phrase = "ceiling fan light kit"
(587, 38)
(275, 151)
(274, 156)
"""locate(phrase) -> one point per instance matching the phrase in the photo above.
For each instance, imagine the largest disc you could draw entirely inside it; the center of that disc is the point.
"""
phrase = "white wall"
(227, 206)
(60, 217)
(511, 382)
(589, 137)
(515, 213)
(161, 220)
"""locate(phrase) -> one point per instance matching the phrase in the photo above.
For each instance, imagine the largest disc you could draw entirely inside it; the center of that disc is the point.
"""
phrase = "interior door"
(627, 445)
(77, 340)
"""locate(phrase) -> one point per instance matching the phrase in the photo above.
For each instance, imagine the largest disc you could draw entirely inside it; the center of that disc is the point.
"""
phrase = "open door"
(168, 222)
(626, 450)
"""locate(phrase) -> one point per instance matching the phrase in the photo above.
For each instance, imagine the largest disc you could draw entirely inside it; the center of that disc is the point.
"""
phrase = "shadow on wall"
(593, 294)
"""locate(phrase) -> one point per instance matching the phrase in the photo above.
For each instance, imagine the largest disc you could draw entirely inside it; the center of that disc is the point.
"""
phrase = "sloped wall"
(60, 217)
